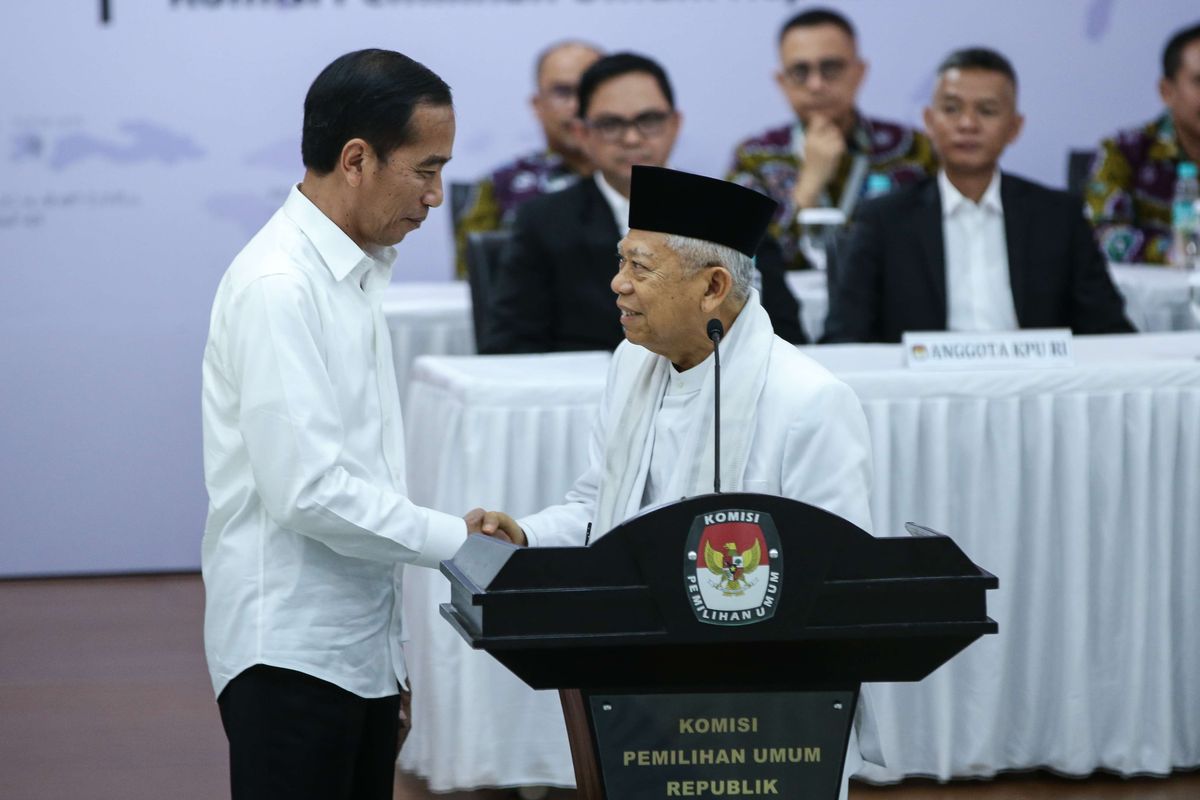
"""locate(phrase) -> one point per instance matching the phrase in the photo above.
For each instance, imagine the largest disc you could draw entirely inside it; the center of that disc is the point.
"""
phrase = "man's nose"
(632, 136)
(968, 120)
(620, 283)
(814, 82)
(433, 198)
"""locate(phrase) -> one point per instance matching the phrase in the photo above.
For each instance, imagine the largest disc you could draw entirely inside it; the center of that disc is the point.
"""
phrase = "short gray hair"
(696, 254)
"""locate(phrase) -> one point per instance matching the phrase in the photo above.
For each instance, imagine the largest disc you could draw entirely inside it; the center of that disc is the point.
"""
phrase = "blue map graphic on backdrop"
(1098, 19)
(144, 142)
(250, 210)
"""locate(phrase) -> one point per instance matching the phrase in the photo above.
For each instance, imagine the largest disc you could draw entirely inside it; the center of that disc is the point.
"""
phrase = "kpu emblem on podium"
(733, 567)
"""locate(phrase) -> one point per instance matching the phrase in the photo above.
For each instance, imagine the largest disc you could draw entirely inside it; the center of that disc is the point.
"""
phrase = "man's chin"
(564, 146)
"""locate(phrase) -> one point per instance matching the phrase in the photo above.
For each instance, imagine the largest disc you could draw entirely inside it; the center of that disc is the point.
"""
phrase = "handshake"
(496, 524)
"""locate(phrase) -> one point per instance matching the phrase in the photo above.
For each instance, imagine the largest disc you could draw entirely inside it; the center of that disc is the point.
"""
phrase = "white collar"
(341, 255)
(953, 199)
(618, 204)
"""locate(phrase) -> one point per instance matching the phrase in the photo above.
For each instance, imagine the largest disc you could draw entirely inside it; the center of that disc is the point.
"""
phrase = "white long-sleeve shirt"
(309, 524)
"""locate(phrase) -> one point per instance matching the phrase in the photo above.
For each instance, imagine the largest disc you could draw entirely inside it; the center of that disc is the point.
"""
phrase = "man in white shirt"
(974, 249)
(309, 525)
(789, 427)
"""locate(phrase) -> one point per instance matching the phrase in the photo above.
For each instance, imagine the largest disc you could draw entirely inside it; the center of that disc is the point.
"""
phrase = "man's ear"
(355, 159)
(1018, 126)
(718, 284)
(1166, 90)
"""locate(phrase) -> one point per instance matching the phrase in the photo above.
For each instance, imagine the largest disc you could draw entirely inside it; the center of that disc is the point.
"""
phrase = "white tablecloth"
(427, 319)
(1076, 486)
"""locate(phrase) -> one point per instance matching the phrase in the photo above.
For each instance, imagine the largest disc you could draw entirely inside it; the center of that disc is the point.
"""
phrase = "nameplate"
(785, 745)
(936, 350)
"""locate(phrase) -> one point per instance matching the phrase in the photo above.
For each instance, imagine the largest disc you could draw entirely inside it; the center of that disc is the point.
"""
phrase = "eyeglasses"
(830, 69)
(613, 129)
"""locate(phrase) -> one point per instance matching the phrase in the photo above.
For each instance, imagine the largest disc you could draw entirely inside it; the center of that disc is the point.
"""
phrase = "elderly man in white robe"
(788, 427)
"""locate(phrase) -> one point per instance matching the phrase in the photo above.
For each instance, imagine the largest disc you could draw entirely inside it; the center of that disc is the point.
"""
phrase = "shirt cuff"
(446, 534)
(530, 531)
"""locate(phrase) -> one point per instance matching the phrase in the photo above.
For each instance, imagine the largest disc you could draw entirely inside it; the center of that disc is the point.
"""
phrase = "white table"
(427, 319)
(1076, 486)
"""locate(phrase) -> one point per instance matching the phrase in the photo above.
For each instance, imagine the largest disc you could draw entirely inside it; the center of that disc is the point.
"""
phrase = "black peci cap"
(668, 201)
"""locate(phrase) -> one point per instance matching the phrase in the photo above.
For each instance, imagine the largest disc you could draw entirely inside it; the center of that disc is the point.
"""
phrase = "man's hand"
(405, 717)
(496, 524)
(824, 146)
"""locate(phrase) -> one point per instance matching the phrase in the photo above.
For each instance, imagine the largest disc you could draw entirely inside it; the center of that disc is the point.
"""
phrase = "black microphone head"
(715, 329)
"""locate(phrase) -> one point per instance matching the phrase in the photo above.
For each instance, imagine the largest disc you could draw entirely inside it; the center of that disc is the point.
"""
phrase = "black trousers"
(294, 736)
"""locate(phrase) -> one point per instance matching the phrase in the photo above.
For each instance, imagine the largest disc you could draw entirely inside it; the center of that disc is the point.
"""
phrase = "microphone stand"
(715, 331)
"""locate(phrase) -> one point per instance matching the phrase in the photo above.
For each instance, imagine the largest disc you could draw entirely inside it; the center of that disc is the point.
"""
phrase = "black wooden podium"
(715, 647)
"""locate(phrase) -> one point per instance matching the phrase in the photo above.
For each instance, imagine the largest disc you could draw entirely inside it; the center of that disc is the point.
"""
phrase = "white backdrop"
(138, 155)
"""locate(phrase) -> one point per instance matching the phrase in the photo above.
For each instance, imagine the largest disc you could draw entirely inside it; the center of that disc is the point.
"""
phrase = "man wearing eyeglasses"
(560, 163)
(553, 289)
(824, 159)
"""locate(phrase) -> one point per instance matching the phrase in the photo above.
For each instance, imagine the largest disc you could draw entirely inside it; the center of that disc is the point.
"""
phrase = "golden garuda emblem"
(732, 567)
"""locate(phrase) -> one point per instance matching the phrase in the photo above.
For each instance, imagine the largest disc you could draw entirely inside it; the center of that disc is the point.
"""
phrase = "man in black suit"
(553, 291)
(972, 249)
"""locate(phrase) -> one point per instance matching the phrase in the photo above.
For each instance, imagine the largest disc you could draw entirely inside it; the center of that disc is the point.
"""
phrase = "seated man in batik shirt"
(824, 159)
(495, 199)
(1128, 194)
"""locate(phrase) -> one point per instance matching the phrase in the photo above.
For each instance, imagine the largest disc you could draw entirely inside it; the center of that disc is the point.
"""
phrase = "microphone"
(715, 331)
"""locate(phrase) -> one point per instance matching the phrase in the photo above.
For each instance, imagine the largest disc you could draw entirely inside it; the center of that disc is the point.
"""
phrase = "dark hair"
(367, 94)
(978, 58)
(615, 66)
(554, 48)
(1173, 53)
(814, 17)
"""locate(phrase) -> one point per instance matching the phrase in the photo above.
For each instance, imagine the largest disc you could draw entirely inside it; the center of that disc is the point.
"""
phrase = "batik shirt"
(771, 164)
(494, 200)
(1129, 192)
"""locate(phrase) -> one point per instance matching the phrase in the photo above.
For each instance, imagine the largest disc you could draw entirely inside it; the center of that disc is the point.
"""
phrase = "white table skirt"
(1077, 487)
(1080, 495)
(500, 432)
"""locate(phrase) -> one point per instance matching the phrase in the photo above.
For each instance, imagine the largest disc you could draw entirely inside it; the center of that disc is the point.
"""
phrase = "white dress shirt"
(308, 523)
(978, 290)
(618, 204)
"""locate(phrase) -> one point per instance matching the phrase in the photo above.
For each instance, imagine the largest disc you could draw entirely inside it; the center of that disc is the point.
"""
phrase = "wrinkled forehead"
(650, 246)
